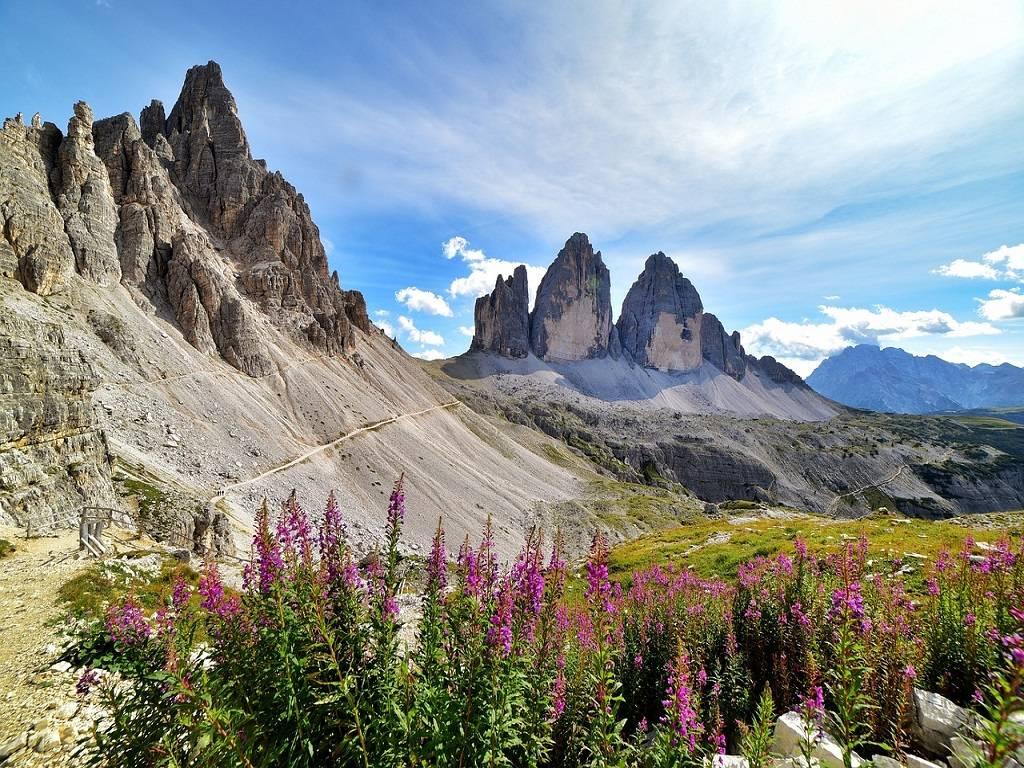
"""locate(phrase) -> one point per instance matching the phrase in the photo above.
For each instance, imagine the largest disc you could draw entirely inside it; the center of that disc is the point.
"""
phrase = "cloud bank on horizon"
(780, 153)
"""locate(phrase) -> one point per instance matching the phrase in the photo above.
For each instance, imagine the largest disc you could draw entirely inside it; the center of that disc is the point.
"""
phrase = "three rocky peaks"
(662, 325)
(176, 209)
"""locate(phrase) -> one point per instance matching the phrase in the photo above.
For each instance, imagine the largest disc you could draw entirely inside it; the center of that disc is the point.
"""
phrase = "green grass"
(739, 505)
(692, 545)
(621, 505)
(150, 498)
(6, 548)
(87, 595)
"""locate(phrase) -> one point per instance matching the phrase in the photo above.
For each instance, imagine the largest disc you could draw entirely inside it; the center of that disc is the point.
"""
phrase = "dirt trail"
(880, 484)
(29, 580)
(320, 448)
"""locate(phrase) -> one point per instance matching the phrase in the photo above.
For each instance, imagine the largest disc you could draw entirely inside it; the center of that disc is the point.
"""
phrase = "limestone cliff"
(502, 318)
(171, 339)
(660, 324)
(572, 316)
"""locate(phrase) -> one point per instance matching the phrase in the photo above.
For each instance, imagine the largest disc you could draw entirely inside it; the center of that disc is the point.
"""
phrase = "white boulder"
(790, 732)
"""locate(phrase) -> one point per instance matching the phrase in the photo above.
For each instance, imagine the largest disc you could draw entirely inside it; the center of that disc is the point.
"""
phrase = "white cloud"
(419, 300)
(833, 297)
(1002, 305)
(1006, 262)
(968, 269)
(811, 342)
(429, 354)
(467, 330)
(381, 313)
(1012, 256)
(328, 245)
(419, 336)
(484, 271)
(978, 355)
(385, 326)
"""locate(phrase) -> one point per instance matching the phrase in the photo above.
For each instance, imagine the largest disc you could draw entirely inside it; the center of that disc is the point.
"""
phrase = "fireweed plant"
(304, 666)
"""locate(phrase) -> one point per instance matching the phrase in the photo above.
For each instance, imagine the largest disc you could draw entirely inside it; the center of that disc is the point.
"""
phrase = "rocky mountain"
(572, 316)
(174, 345)
(662, 329)
(667, 396)
(502, 319)
(892, 380)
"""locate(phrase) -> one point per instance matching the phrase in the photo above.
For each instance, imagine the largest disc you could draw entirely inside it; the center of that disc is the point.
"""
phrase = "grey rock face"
(84, 198)
(189, 193)
(152, 121)
(266, 224)
(502, 318)
(572, 316)
(660, 324)
(52, 452)
(211, 313)
(776, 371)
(34, 248)
(720, 349)
(212, 163)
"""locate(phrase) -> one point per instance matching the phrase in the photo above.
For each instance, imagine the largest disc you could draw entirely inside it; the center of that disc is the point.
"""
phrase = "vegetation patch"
(6, 548)
(693, 545)
(666, 671)
(88, 595)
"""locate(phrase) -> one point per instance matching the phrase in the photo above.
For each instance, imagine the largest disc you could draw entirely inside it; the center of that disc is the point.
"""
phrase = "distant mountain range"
(896, 381)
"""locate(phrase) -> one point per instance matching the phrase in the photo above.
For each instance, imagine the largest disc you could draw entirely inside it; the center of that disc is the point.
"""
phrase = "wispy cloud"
(769, 116)
(419, 300)
(467, 330)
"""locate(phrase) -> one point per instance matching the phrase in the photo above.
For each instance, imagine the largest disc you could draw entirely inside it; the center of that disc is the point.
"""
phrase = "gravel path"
(37, 693)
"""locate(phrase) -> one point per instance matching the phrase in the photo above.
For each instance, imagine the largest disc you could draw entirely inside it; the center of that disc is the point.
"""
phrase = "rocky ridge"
(170, 328)
(892, 380)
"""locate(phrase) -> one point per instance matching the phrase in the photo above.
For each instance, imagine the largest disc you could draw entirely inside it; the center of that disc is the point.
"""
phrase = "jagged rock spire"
(502, 318)
(572, 317)
(659, 326)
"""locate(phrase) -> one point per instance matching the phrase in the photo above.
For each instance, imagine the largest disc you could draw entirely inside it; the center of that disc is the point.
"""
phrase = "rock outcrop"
(721, 349)
(502, 318)
(660, 324)
(85, 201)
(572, 316)
(179, 213)
(34, 249)
(775, 371)
(53, 456)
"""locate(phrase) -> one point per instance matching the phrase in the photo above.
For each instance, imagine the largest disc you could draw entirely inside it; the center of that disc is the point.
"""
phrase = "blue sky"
(825, 173)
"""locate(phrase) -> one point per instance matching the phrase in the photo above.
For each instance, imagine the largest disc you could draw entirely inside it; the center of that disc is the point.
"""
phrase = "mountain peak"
(660, 323)
(572, 316)
(892, 379)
